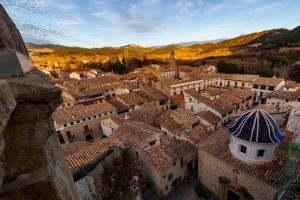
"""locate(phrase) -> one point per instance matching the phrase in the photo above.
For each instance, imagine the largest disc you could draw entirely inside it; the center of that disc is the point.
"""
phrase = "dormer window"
(243, 149)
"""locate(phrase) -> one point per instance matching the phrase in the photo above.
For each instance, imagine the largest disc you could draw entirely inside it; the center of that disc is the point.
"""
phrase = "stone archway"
(230, 191)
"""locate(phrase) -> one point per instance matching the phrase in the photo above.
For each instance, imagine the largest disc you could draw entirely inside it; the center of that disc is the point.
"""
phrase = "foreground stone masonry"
(34, 165)
(32, 162)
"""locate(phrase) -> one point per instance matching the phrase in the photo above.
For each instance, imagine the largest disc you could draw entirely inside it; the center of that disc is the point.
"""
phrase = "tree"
(115, 183)
(267, 72)
(228, 68)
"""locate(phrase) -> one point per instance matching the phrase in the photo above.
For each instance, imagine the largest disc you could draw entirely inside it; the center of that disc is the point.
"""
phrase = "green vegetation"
(267, 72)
(116, 179)
(229, 68)
(288, 39)
(277, 61)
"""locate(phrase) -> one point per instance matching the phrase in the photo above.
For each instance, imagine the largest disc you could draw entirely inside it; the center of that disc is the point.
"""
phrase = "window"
(88, 137)
(70, 136)
(166, 188)
(260, 153)
(192, 108)
(243, 84)
(170, 176)
(243, 149)
(86, 127)
(235, 84)
(263, 87)
(190, 99)
(153, 142)
(65, 125)
(255, 86)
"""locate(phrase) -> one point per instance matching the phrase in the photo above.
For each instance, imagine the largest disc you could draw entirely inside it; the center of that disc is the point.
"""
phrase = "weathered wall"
(211, 169)
(32, 161)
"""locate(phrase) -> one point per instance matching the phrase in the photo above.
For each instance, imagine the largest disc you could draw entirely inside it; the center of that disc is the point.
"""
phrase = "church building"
(245, 161)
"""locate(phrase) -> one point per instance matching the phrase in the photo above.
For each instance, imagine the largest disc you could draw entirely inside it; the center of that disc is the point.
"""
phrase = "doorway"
(232, 195)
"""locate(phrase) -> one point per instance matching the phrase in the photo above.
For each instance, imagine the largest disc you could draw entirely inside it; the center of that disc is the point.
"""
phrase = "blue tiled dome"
(257, 126)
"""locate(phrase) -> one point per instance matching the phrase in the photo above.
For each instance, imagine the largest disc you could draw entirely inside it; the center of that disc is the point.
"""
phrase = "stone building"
(81, 122)
(246, 164)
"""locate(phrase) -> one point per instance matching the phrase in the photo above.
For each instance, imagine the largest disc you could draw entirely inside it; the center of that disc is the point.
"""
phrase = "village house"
(281, 98)
(172, 87)
(293, 123)
(291, 86)
(210, 120)
(168, 164)
(262, 86)
(196, 103)
(186, 71)
(165, 161)
(132, 100)
(81, 122)
(247, 164)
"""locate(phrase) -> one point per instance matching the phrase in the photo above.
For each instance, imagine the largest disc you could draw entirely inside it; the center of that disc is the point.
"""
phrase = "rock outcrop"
(10, 37)
(32, 162)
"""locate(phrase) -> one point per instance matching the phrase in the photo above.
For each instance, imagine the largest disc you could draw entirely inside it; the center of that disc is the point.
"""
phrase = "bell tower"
(172, 59)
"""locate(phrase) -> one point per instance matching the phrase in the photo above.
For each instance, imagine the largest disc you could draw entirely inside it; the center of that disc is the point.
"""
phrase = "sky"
(98, 23)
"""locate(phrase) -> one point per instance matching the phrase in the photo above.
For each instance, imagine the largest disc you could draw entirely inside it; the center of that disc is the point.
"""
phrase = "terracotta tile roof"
(118, 104)
(280, 94)
(79, 111)
(147, 114)
(131, 99)
(232, 98)
(270, 172)
(73, 147)
(197, 134)
(151, 94)
(237, 77)
(217, 104)
(214, 91)
(92, 152)
(164, 155)
(291, 84)
(267, 81)
(136, 133)
(209, 117)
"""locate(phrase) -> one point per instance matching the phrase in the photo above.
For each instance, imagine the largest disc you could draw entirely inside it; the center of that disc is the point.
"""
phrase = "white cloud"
(66, 6)
(270, 8)
(71, 21)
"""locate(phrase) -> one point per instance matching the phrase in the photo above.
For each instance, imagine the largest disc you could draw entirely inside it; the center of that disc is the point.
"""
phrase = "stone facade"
(219, 177)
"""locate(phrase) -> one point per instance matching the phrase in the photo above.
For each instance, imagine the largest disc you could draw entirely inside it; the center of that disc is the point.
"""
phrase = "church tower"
(172, 59)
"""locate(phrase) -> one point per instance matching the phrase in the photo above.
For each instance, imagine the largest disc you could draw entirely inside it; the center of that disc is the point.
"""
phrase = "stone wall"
(214, 174)
(33, 164)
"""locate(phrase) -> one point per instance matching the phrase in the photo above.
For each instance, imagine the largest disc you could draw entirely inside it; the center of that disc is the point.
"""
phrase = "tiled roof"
(267, 81)
(214, 91)
(291, 84)
(197, 134)
(118, 104)
(147, 113)
(232, 98)
(210, 117)
(263, 126)
(131, 99)
(136, 133)
(151, 94)
(79, 111)
(164, 155)
(270, 172)
(280, 94)
(92, 152)
(216, 104)
(73, 147)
